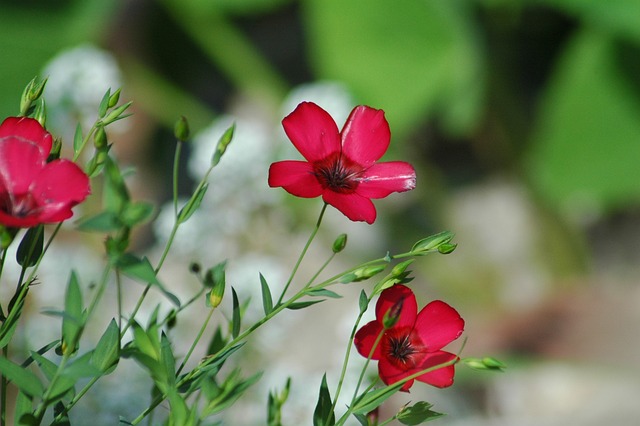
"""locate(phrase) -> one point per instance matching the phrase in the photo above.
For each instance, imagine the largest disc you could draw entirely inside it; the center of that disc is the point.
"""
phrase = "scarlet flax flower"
(414, 341)
(341, 166)
(32, 190)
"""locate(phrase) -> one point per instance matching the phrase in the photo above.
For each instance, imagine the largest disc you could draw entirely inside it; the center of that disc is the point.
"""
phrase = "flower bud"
(432, 243)
(362, 274)
(195, 267)
(216, 294)
(100, 138)
(446, 248)
(340, 243)
(114, 98)
(31, 93)
(485, 364)
(392, 316)
(181, 129)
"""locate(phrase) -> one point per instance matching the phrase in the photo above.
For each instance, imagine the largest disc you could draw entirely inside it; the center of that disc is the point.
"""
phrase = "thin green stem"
(303, 253)
(366, 364)
(195, 342)
(346, 358)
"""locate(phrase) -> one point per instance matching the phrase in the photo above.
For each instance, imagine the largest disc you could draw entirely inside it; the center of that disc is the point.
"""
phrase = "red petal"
(354, 206)
(60, 186)
(438, 324)
(391, 374)
(20, 163)
(296, 177)
(366, 337)
(442, 377)
(391, 296)
(18, 222)
(312, 131)
(382, 179)
(29, 129)
(365, 135)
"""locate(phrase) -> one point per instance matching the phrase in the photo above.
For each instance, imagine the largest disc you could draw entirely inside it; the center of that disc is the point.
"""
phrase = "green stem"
(195, 342)
(303, 253)
(346, 358)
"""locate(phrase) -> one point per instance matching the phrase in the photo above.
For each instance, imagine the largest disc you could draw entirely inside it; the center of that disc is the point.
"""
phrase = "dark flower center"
(18, 205)
(337, 173)
(402, 347)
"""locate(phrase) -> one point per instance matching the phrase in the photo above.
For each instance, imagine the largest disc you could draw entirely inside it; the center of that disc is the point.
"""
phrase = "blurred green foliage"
(549, 89)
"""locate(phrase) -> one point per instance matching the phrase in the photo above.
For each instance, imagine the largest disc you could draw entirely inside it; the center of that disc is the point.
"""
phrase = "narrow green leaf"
(363, 302)
(323, 414)
(179, 412)
(267, 301)
(23, 378)
(107, 351)
(115, 194)
(30, 247)
(373, 399)
(217, 342)
(73, 320)
(140, 269)
(77, 139)
(301, 305)
(323, 292)
(104, 104)
(168, 360)
(193, 204)
(236, 319)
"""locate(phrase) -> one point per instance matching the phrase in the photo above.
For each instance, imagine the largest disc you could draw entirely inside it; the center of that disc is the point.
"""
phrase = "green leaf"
(323, 414)
(363, 302)
(30, 247)
(323, 292)
(107, 351)
(105, 221)
(115, 194)
(417, 414)
(235, 324)
(179, 412)
(136, 213)
(267, 301)
(104, 104)
(23, 378)
(217, 342)
(427, 57)
(23, 408)
(168, 360)
(301, 305)
(73, 318)
(193, 204)
(585, 148)
(141, 270)
(373, 399)
(77, 139)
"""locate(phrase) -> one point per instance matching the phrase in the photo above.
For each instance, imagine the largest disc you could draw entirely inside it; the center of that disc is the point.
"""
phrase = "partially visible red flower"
(33, 191)
(341, 165)
(414, 342)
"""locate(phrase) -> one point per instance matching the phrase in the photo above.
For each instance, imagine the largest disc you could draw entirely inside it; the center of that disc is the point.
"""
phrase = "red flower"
(341, 165)
(414, 342)
(33, 191)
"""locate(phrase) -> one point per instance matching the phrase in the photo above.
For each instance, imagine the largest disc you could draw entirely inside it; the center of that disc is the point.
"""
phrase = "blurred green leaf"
(323, 415)
(410, 58)
(30, 247)
(73, 318)
(418, 413)
(31, 36)
(24, 379)
(140, 269)
(585, 150)
(619, 17)
(236, 316)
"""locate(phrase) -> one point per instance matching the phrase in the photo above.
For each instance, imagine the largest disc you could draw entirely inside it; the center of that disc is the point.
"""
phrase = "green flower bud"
(114, 98)
(116, 114)
(362, 274)
(431, 243)
(400, 268)
(100, 138)
(447, 248)
(484, 364)
(392, 316)
(216, 294)
(181, 129)
(340, 243)
(31, 93)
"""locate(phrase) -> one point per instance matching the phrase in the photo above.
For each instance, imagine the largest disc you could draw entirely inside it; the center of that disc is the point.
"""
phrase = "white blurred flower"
(78, 78)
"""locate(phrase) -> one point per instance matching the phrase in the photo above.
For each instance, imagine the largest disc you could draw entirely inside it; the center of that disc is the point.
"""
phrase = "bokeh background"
(521, 117)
